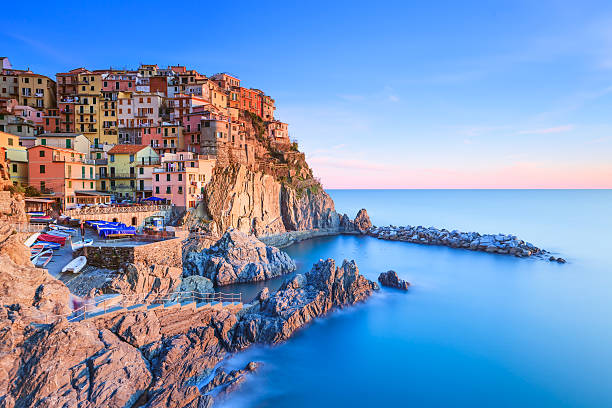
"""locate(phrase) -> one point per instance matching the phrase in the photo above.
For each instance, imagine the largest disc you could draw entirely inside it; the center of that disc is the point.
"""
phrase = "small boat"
(61, 228)
(80, 244)
(57, 233)
(52, 238)
(75, 265)
(47, 245)
(35, 250)
(31, 239)
(43, 219)
(36, 213)
(41, 260)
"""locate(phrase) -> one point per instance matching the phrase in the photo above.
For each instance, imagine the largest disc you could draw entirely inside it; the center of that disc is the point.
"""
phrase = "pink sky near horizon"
(350, 174)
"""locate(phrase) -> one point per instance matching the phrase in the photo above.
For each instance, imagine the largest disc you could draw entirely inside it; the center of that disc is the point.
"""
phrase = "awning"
(153, 199)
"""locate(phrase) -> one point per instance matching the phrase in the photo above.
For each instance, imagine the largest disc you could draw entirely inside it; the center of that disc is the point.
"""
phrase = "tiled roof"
(126, 149)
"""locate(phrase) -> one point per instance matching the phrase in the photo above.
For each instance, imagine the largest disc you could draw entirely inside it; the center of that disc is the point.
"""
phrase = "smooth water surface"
(475, 329)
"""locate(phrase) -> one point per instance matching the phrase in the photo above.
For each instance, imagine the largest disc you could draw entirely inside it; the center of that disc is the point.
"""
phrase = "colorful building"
(75, 141)
(17, 157)
(182, 177)
(129, 170)
(63, 173)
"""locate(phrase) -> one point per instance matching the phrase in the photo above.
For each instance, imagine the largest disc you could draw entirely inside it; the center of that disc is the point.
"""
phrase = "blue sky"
(388, 95)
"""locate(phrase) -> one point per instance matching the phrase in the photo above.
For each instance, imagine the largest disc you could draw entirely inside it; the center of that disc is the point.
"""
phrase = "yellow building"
(88, 105)
(17, 157)
(28, 88)
(129, 171)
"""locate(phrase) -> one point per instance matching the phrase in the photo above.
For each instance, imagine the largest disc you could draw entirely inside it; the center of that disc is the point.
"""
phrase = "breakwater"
(493, 243)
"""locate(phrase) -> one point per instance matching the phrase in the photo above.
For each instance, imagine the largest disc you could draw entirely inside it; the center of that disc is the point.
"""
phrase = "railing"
(28, 227)
(102, 306)
(117, 209)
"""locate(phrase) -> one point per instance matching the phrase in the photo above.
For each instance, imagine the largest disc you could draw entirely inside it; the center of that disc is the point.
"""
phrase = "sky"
(437, 94)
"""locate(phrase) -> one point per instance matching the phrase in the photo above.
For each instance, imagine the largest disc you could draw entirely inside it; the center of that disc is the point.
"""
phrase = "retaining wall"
(169, 253)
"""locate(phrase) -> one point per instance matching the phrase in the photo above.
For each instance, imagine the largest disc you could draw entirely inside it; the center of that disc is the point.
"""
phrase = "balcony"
(149, 162)
(122, 176)
(64, 159)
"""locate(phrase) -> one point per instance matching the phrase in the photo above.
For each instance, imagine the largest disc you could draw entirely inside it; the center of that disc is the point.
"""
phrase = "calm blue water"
(475, 329)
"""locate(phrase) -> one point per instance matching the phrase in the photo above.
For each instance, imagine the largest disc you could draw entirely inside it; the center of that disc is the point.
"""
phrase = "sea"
(475, 329)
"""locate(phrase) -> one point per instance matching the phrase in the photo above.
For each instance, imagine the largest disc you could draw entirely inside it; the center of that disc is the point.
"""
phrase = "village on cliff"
(109, 135)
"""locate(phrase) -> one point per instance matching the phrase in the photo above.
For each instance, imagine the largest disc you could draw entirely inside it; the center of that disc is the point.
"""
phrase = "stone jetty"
(493, 243)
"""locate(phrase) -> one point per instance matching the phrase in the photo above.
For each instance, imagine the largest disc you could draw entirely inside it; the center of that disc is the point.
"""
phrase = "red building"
(51, 121)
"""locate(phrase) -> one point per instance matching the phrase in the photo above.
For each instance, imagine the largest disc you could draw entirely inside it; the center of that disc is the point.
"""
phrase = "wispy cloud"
(545, 131)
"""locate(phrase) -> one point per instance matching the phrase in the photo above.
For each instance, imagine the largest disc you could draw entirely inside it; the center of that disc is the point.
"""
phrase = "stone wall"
(169, 253)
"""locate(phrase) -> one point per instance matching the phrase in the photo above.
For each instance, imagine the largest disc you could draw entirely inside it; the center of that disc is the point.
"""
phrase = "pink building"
(124, 82)
(182, 178)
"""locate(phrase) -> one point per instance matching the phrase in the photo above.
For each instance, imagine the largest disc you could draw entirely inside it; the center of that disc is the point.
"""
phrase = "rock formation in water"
(275, 317)
(238, 257)
(492, 243)
(391, 280)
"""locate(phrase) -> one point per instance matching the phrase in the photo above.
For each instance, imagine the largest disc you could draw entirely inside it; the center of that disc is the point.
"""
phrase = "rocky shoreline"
(492, 243)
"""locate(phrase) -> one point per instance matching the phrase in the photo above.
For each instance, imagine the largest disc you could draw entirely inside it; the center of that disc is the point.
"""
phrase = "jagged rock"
(561, 260)
(307, 210)
(75, 362)
(325, 287)
(196, 283)
(138, 328)
(362, 221)
(391, 279)
(154, 280)
(238, 257)
(263, 295)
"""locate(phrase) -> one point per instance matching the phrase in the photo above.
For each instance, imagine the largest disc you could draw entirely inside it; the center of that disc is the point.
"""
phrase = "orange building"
(64, 173)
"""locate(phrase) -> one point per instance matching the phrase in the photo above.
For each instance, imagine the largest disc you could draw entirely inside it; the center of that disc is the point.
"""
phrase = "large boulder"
(238, 257)
(391, 280)
(146, 280)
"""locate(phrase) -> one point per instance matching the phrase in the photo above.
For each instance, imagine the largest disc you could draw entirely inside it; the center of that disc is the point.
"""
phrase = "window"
(157, 190)
(44, 143)
(69, 183)
(112, 158)
(41, 153)
(91, 172)
(168, 190)
(131, 158)
(157, 177)
(168, 177)
(10, 141)
(91, 185)
(42, 169)
(141, 170)
(14, 168)
(42, 186)
(82, 172)
(180, 190)
(68, 144)
(180, 177)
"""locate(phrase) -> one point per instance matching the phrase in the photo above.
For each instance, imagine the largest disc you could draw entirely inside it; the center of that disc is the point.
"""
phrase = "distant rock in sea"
(391, 280)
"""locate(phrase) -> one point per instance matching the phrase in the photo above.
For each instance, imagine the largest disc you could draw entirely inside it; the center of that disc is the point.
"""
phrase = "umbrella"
(153, 199)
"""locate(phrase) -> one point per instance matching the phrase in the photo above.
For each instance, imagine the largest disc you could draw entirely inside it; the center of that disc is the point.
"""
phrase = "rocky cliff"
(258, 203)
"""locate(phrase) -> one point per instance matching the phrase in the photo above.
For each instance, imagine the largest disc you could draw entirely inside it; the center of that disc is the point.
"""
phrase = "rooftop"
(126, 149)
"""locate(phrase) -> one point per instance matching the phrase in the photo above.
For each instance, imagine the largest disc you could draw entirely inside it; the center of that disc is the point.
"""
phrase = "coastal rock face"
(391, 279)
(254, 202)
(492, 243)
(74, 362)
(248, 201)
(154, 280)
(308, 210)
(238, 257)
(300, 300)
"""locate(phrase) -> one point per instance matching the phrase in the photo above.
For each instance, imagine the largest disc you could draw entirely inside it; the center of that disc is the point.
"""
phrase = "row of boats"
(43, 244)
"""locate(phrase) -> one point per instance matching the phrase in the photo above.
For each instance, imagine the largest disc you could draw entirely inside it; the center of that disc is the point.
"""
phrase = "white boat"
(80, 244)
(75, 265)
(31, 239)
(61, 228)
